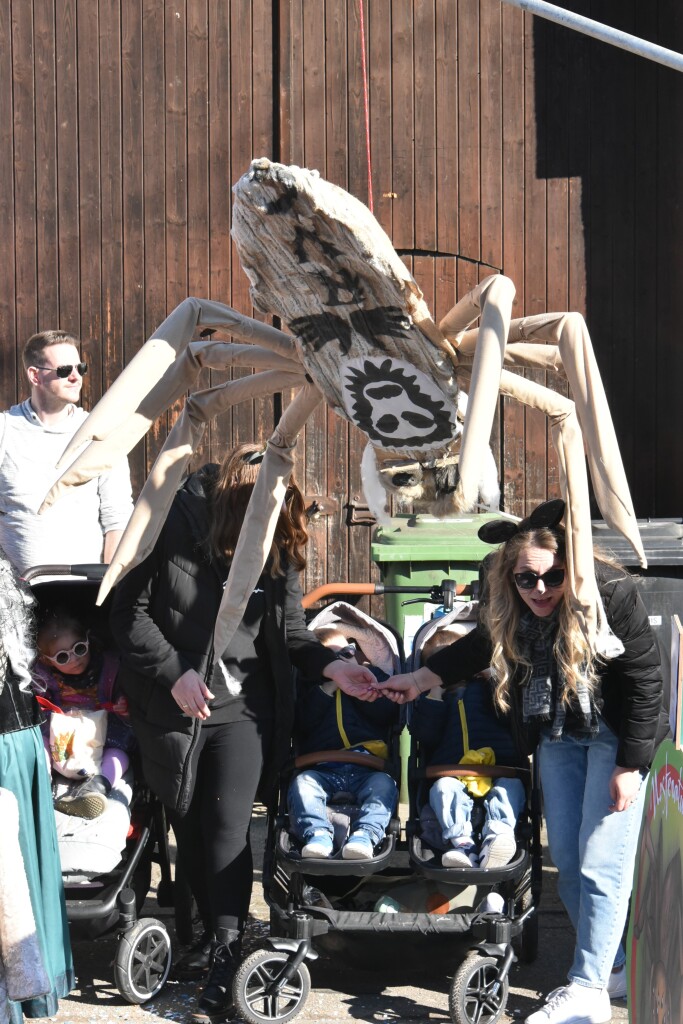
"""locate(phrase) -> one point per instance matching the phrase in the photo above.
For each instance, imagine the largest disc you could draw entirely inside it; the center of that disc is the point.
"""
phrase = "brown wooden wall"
(498, 142)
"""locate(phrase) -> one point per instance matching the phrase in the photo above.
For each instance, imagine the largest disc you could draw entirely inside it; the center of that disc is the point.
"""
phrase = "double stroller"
(320, 904)
(107, 861)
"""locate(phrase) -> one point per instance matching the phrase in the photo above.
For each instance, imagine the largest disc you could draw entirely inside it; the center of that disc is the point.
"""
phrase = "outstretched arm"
(404, 688)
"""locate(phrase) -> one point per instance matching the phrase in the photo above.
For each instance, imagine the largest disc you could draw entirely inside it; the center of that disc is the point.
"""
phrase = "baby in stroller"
(462, 727)
(327, 718)
(73, 673)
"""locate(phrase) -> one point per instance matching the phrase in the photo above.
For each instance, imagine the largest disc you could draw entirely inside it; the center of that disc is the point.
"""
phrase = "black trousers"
(214, 850)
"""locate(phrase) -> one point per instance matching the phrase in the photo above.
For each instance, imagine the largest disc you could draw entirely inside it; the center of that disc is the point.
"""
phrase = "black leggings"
(214, 851)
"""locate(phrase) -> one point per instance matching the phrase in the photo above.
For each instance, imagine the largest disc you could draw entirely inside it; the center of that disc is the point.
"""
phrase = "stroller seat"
(342, 811)
(426, 847)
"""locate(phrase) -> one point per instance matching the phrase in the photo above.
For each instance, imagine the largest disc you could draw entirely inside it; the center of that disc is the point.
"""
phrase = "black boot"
(195, 963)
(216, 999)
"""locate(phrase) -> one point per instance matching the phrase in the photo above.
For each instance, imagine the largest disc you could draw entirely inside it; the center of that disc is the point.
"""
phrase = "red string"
(366, 103)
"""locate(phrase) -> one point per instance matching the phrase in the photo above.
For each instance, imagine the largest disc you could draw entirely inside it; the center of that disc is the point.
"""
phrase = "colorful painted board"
(655, 938)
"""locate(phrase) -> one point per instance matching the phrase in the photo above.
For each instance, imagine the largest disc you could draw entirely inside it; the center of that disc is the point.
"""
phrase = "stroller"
(402, 890)
(507, 929)
(107, 861)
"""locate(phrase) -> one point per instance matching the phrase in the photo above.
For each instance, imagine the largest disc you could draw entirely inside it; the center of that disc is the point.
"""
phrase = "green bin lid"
(424, 538)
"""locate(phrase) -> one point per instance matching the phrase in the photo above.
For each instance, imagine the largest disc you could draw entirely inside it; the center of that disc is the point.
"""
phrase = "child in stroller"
(106, 861)
(74, 673)
(328, 718)
(463, 728)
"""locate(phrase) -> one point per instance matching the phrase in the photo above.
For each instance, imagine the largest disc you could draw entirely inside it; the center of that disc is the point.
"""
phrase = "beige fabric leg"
(104, 452)
(164, 479)
(265, 504)
(150, 382)
(494, 296)
(569, 333)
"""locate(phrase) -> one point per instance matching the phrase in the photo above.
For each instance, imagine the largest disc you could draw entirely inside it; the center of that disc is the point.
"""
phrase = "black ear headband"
(549, 515)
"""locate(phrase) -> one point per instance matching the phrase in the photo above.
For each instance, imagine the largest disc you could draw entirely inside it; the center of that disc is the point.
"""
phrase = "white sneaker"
(460, 857)
(574, 1004)
(319, 846)
(617, 984)
(497, 850)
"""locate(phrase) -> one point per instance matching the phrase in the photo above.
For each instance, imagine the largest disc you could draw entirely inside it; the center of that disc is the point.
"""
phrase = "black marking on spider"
(412, 408)
(317, 329)
(303, 236)
(284, 202)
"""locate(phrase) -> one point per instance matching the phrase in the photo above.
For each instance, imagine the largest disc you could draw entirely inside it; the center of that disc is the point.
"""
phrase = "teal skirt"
(23, 772)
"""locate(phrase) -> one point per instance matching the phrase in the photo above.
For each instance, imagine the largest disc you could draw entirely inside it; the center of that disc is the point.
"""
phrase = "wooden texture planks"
(496, 143)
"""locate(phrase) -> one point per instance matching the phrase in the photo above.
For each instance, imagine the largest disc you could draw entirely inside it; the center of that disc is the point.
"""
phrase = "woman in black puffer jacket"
(211, 730)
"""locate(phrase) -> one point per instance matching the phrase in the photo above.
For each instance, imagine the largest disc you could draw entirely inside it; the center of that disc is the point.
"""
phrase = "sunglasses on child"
(66, 370)
(79, 650)
(550, 579)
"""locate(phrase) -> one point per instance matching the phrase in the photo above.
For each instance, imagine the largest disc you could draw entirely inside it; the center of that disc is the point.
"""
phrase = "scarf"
(544, 691)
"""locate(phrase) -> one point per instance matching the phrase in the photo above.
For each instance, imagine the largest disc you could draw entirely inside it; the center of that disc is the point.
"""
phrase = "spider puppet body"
(362, 340)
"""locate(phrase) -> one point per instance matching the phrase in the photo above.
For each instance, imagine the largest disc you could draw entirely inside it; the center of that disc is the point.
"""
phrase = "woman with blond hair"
(213, 731)
(593, 721)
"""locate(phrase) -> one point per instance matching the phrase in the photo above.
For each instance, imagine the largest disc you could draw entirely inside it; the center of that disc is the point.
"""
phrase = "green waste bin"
(422, 551)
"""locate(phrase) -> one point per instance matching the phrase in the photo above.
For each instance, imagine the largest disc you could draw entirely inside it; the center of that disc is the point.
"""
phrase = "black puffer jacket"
(630, 686)
(162, 619)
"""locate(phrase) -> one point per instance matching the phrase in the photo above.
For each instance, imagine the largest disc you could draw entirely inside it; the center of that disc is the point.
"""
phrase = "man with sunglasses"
(84, 526)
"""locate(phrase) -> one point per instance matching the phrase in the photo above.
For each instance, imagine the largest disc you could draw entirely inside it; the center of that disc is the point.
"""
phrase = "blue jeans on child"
(452, 805)
(592, 847)
(375, 793)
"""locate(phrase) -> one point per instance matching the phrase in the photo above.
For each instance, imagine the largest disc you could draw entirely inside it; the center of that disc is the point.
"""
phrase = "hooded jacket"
(629, 689)
(162, 618)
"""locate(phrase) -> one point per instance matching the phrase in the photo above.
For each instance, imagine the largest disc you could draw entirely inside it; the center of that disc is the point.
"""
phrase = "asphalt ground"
(410, 982)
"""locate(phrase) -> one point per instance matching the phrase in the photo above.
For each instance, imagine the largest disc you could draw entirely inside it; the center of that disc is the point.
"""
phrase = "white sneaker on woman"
(617, 983)
(574, 1004)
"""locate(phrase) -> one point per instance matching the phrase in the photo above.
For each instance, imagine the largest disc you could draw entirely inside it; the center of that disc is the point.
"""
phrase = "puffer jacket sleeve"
(636, 675)
(305, 650)
(462, 659)
(143, 646)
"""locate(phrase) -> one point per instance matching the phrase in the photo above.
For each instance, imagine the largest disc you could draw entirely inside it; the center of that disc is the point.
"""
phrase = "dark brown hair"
(229, 499)
(37, 343)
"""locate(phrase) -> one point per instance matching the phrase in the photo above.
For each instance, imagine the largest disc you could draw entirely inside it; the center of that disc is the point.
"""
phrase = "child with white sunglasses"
(71, 672)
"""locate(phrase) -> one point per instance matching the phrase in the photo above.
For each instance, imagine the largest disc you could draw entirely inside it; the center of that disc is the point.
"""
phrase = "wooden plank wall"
(497, 142)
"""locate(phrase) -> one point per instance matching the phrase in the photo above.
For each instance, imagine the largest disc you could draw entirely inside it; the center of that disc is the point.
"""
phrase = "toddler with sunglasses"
(328, 719)
(71, 672)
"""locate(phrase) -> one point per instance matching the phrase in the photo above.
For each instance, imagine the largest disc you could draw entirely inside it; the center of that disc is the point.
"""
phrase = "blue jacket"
(437, 725)
(317, 727)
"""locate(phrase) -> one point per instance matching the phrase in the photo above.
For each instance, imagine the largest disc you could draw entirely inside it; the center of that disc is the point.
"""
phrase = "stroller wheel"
(256, 993)
(476, 995)
(143, 960)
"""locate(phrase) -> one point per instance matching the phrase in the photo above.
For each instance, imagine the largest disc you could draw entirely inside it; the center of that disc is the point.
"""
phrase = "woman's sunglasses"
(79, 650)
(66, 370)
(528, 580)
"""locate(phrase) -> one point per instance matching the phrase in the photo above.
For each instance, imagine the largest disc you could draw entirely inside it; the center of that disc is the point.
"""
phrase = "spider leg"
(260, 520)
(155, 377)
(492, 299)
(157, 494)
(568, 332)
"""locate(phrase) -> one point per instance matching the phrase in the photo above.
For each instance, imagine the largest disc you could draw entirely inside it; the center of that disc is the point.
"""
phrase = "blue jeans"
(375, 793)
(452, 805)
(592, 847)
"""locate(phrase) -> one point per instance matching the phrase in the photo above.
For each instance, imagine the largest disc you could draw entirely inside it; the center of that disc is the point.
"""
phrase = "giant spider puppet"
(363, 341)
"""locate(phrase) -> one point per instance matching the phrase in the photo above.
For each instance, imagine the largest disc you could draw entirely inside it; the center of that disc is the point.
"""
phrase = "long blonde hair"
(502, 612)
(230, 496)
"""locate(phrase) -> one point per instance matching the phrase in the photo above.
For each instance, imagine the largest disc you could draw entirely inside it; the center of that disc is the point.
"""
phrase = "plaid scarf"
(542, 695)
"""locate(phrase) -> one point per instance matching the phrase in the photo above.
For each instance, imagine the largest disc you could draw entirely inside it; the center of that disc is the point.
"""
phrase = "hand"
(355, 680)
(624, 787)
(191, 693)
(404, 688)
(120, 707)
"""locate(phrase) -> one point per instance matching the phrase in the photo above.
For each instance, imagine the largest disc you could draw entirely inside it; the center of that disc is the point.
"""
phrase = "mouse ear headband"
(549, 514)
